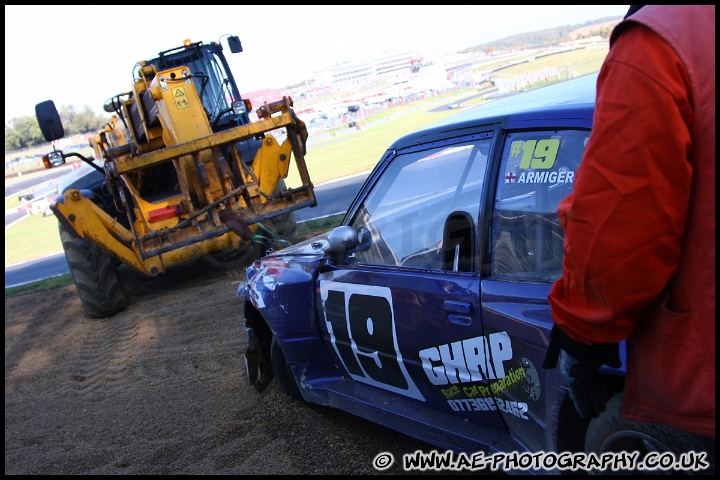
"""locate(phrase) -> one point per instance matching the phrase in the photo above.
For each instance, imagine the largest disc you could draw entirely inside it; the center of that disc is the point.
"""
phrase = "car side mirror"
(341, 242)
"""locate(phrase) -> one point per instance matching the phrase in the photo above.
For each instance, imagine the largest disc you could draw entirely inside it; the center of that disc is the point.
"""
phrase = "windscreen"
(211, 79)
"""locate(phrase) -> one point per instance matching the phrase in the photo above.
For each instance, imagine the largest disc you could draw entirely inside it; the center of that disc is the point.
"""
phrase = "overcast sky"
(82, 55)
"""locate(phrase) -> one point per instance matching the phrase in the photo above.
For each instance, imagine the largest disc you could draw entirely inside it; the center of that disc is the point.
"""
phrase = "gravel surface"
(161, 389)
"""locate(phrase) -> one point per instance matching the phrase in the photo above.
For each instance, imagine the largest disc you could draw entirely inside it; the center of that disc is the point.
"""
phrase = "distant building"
(391, 67)
(396, 74)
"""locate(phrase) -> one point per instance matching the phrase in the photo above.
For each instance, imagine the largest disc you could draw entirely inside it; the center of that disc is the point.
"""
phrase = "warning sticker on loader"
(180, 97)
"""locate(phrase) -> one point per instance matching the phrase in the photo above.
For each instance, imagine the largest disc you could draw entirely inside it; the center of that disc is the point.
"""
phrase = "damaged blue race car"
(426, 311)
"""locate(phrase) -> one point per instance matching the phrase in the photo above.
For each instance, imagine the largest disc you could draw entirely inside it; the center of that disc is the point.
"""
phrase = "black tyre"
(96, 275)
(282, 371)
(610, 432)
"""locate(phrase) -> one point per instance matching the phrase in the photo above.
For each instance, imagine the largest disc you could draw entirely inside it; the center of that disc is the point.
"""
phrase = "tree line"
(24, 132)
(546, 37)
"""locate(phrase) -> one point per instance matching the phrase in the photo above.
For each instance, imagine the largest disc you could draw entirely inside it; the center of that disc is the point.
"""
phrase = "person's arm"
(624, 220)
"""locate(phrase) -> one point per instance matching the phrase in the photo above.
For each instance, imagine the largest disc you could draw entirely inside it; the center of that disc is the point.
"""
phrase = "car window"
(423, 210)
(537, 171)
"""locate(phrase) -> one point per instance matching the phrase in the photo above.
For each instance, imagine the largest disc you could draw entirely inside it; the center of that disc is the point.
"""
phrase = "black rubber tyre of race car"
(95, 274)
(282, 371)
(610, 432)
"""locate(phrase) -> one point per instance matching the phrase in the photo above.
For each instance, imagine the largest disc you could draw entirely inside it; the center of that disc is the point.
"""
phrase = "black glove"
(585, 387)
(580, 366)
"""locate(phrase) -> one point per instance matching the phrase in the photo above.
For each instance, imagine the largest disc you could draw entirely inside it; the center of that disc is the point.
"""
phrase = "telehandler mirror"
(234, 44)
(49, 121)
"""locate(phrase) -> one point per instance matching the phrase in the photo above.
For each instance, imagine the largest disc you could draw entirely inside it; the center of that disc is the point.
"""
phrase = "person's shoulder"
(639, 45)
(667, 19)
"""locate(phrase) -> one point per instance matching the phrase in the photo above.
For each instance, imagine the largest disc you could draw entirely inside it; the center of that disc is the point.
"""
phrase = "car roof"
(569, 103)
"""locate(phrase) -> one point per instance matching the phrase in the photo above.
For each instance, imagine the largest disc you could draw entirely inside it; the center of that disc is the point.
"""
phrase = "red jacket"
(639, 261)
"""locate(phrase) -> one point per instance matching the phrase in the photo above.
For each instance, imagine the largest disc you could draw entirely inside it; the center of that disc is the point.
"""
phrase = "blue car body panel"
(451, 358)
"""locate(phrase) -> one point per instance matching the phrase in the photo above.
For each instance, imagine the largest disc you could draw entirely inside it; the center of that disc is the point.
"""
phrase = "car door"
(536, 171)
(402, 313)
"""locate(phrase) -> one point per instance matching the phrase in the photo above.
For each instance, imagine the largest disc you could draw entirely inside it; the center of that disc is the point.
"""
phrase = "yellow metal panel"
(181, 112)
(271, 163)
(92, 222)
(127, 164)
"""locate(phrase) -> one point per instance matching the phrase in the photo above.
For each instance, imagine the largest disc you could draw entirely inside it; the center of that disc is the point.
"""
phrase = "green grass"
(360, 150)
(12, 202)
(40, 286)
(32, 237)
(19, 171)
(559, 66)
(582, 60)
